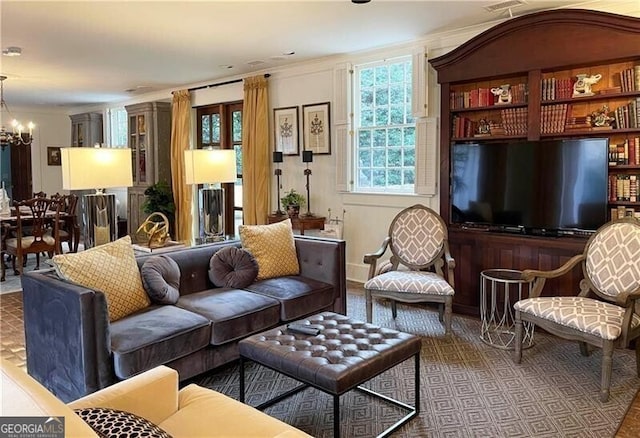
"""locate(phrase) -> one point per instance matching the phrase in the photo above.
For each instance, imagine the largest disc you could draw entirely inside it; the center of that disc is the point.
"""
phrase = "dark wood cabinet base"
(475, 251)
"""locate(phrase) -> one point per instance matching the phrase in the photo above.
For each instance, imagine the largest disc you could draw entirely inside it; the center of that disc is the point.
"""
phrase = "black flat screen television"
(542, 187)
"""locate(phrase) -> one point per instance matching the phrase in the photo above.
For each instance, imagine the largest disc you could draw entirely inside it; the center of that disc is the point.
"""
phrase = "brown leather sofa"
(73, 349)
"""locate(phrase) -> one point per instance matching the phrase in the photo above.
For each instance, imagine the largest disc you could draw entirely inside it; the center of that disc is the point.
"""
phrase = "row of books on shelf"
(630, 79)
(554, 89)
(621, 211)
(628, 116)
(553, 118)
(514, 121)
(464, 127)
(481, 97)
(625, 153)
(623, 188)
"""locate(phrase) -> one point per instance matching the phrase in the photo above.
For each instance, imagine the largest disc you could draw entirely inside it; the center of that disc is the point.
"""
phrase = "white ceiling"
(90, 52)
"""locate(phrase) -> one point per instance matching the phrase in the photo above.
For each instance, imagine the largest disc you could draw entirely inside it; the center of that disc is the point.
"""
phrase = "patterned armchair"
(604, 314)
(420, 250)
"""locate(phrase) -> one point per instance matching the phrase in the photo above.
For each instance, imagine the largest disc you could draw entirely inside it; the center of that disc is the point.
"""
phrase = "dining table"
(8, 223)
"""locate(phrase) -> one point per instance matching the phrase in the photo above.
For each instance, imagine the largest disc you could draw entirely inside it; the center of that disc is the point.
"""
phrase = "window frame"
(225, 111)
(408, 112)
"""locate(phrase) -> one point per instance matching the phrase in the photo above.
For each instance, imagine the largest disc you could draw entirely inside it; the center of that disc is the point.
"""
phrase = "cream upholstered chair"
(419, 251)
(604, 313)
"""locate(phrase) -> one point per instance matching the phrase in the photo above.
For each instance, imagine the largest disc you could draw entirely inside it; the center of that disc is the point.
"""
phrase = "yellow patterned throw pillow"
(110, 268)
(273, 247)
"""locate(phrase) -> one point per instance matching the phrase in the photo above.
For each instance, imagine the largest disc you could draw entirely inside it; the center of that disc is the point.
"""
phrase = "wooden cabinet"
(149, 132)
(86, 129)
(19, 176)
(542, 106)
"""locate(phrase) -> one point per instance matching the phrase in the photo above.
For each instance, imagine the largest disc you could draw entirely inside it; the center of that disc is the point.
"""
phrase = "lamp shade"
(95, 168)
(209, 166)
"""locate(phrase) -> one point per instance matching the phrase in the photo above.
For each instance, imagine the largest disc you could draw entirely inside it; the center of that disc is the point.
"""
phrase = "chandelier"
(17, 135)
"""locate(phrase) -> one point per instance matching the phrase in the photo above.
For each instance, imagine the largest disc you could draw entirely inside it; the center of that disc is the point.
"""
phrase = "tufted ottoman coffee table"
(344, 354)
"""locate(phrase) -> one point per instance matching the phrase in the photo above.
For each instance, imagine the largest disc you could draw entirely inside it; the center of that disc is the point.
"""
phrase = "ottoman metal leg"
(336, 416)
(241, 379)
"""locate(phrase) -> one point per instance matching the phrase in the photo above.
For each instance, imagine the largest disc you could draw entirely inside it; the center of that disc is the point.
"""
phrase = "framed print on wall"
(285, 125)
(317, 134)
(53, 156)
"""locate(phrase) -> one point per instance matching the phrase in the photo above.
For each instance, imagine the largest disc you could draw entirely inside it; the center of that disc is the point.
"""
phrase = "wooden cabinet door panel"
(475, 252)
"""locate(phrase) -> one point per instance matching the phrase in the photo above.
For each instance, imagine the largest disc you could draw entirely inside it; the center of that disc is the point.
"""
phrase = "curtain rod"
(235, 81)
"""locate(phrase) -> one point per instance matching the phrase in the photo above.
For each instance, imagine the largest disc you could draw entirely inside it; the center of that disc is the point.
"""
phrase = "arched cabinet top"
(540, 41)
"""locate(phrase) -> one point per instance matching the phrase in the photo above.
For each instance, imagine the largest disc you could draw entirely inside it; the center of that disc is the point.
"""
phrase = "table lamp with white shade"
(210, 167)
(97, 168)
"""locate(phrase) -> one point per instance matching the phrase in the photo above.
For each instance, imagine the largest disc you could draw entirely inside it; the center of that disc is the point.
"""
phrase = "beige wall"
(53, 128)
(367, 217)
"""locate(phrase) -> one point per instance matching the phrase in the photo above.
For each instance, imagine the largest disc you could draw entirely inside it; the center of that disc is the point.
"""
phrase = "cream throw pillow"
(273, 247)
(110, 268)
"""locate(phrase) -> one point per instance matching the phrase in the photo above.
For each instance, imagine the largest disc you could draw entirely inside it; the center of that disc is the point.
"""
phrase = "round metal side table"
(498, 287)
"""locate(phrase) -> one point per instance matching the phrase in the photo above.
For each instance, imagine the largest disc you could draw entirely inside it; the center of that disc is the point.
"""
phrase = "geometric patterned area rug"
(468, 388)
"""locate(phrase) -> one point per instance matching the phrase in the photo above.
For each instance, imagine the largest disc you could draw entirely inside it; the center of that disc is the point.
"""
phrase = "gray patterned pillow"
(232, 267)
(112, 423)
(161, 279)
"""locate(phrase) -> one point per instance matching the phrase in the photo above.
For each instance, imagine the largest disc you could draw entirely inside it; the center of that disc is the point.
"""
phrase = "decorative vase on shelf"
(504, 94)
(582, 86)
(292, 201)
(293, 210)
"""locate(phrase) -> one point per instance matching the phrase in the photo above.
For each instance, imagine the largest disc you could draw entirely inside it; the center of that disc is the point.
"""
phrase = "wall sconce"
(209, 167)
(277, 158)
(97, 168)
(307, 157)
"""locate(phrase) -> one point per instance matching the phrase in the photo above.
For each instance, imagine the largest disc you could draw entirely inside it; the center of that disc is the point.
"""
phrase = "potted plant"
(159, 198)
(292, 201)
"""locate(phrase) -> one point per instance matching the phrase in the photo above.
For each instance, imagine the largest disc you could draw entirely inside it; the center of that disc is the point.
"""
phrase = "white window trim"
(426, 128)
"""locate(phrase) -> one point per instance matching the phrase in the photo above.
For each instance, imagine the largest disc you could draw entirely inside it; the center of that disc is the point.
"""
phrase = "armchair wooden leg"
(584, 348)
(517, 355)
(369, 305)
(3, 268)
(441, 312)
(394, 309)
(447, 315)
(638, 357)
(607, 353)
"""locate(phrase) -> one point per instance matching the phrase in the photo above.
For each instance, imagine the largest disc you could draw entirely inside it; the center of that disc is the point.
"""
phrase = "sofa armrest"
(324, 260)
(66, 335)
(152, 395)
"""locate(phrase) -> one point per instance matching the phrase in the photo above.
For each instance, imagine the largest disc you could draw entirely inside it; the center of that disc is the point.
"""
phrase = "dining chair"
(69, 229)
(420, 268)
(604, 314)
(32, 214)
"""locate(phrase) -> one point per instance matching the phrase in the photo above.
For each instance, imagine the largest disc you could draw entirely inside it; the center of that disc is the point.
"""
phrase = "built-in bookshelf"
(611, 110)
(544, 104)
(624, 173)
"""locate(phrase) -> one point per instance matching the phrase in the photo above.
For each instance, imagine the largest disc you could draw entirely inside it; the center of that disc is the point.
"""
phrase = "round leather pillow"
(232, 267)
(161, 279)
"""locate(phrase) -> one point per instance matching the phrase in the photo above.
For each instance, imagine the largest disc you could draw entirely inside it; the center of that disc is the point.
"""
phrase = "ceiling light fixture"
(12, 51)
(360, 2)
(12, 138)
